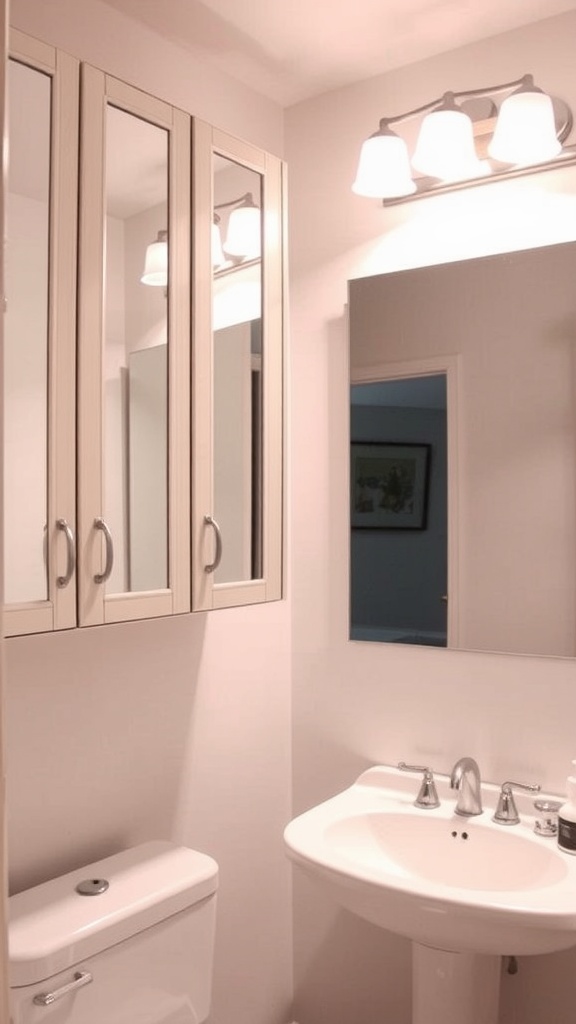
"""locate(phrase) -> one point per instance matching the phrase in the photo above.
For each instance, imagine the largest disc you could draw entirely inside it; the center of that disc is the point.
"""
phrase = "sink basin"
(445, 852)
(442, 880)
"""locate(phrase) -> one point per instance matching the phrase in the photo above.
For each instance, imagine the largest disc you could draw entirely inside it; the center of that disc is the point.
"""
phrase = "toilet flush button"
(92, 886)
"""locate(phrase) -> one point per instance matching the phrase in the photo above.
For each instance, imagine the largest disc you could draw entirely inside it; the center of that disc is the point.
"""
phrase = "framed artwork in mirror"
(389, 485)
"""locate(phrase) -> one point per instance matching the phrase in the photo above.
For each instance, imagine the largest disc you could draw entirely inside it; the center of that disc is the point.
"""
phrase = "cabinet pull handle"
(63, 581)
(101, 577)
(212, 566)
(81, 978)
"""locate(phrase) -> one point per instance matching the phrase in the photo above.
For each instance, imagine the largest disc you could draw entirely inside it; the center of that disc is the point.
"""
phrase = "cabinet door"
(237, 411)
(40, 339)
(134, 323)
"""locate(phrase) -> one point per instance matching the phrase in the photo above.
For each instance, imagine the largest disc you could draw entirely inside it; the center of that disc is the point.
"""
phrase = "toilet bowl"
(125, 940)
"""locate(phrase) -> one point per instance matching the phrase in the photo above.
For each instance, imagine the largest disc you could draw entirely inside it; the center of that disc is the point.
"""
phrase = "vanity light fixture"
(464, 138)
(156, 262)
(244, 234)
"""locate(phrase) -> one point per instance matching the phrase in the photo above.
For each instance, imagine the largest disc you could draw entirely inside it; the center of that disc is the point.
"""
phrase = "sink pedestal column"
(454, 988)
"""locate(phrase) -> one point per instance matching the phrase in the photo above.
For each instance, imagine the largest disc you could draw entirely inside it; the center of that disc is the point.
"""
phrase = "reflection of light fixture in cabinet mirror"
(243, 237)
(156, 262)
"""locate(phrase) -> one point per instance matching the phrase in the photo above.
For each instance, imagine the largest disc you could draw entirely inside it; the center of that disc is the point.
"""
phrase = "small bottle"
(567, 816)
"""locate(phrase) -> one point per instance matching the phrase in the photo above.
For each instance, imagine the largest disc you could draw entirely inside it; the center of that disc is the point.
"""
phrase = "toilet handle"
(81, 978)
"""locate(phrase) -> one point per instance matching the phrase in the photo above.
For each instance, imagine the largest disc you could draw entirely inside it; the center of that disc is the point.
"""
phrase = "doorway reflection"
(399, 519)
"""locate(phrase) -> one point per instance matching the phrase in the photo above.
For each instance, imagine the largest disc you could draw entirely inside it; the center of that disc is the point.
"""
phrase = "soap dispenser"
(567, 816)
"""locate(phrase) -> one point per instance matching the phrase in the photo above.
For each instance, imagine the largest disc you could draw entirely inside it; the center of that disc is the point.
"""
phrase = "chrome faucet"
(465, 778)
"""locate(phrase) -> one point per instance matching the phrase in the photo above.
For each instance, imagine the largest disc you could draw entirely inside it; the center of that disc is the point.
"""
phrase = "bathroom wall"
(175, 728)
(359, 704)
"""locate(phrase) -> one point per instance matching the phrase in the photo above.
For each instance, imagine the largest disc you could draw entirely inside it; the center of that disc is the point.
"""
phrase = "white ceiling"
(291, 50)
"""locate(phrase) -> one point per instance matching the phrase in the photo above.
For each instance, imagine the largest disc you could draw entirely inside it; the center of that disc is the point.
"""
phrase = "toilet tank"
(137, 950)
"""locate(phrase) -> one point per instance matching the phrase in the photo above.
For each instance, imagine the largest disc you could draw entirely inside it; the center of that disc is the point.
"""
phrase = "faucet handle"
(506, 812)
(427, 795)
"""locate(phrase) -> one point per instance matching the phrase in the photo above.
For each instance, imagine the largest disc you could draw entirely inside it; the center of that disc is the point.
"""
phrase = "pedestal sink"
(466, 891)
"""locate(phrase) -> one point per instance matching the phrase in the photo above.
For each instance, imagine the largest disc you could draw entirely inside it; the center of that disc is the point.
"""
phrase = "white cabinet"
(143, 450)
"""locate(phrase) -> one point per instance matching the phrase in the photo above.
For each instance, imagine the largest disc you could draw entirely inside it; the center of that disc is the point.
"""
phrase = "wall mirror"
(238, 368)
(27, 336)
(135, 351)
(502, 331)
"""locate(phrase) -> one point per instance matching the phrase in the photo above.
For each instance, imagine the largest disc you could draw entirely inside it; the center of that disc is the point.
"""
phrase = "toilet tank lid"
(52, 927)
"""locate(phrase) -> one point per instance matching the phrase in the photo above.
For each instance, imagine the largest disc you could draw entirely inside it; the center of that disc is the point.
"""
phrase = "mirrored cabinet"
(237, 372)
(40, 339)
(133, 354)
(143, 388)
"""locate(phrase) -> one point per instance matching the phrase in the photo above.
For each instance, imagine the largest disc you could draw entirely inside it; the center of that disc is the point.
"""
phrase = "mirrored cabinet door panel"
(39, 454)
(26, 353)
(238, 365)
(135, 340)
(237, 373)
(134, 354)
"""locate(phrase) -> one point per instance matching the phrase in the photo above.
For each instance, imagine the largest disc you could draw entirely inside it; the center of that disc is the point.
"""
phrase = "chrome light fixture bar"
(466, 142)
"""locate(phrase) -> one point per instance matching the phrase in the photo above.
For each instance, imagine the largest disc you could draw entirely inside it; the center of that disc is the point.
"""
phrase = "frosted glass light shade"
(156, 262)
(445, 147)
(525, 131)
(243, 237)
(384, 168)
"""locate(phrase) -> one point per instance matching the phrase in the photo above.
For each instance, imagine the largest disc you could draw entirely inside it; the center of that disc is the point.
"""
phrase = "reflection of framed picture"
(389, 485)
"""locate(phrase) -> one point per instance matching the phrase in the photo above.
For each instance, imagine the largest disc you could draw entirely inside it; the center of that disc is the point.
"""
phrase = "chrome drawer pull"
(212, 566)
(101, 577)
(81, 978)
(63, 581)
